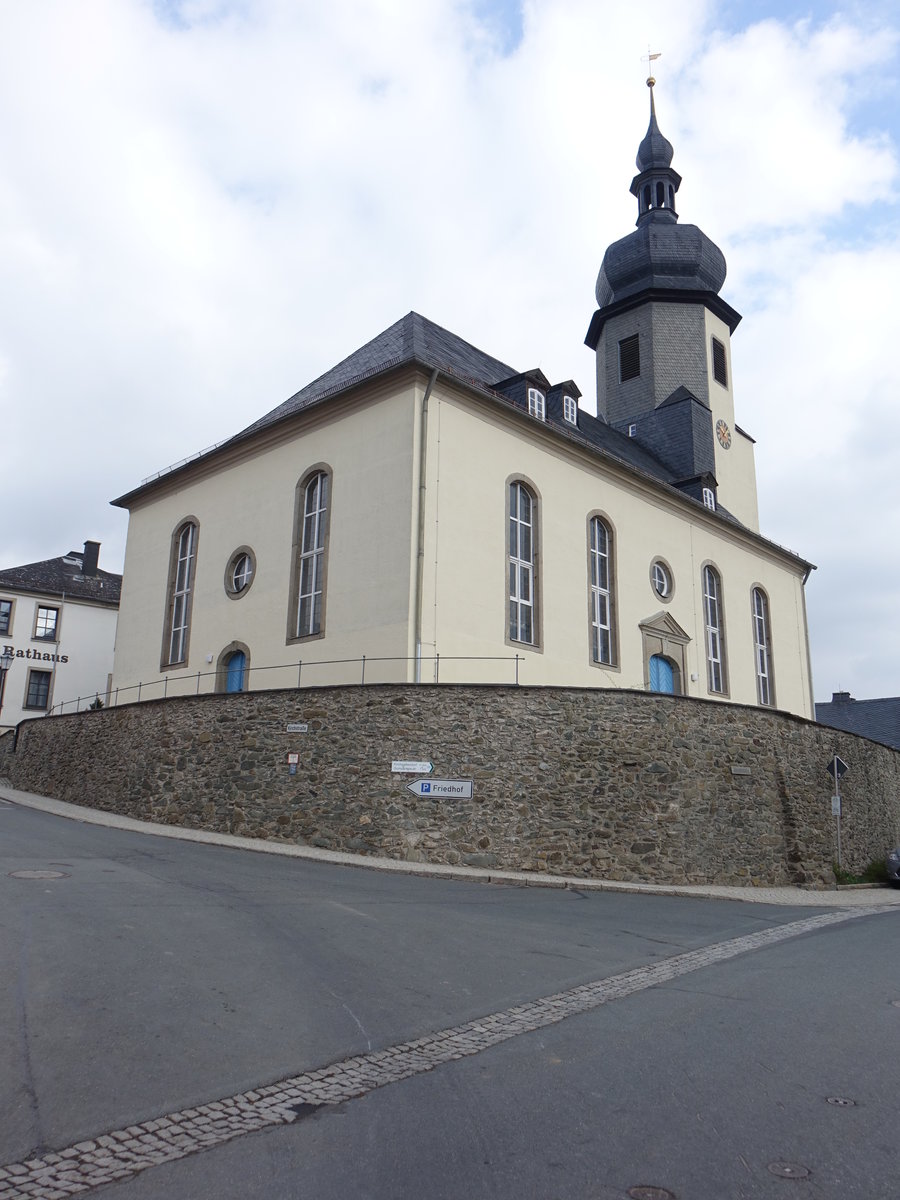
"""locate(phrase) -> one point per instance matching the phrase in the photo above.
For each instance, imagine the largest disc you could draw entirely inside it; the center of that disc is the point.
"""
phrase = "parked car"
(893, 866)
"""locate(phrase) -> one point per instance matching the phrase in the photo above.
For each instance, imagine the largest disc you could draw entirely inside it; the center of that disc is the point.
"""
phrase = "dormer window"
(570, 410)
(709, 498)
(629, 358)
(720, 363)
(536, 404)
(632, 430)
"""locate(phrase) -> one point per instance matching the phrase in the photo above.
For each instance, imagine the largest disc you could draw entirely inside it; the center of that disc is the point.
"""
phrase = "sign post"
(837, 769)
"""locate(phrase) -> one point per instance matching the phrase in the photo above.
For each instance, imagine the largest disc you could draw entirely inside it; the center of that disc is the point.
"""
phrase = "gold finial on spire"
(650, 59)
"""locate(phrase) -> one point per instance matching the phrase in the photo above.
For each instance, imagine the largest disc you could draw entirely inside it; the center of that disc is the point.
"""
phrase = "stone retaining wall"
(623, 785)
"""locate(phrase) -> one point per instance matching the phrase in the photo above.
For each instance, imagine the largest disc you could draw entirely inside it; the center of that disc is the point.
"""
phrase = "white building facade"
(57, 633)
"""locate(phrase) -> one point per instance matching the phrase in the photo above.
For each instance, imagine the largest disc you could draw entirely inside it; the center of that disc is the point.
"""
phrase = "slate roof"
(878, 720)
(416, 341)
(413, 339)
(62, 576)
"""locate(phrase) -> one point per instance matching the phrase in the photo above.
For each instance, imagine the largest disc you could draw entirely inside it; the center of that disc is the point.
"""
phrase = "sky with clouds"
(204, 204)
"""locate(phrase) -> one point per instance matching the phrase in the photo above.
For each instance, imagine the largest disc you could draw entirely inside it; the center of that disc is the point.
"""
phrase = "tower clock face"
(723, 433)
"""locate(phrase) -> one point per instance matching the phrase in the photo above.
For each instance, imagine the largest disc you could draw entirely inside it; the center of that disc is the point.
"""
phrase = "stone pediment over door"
(663, 637)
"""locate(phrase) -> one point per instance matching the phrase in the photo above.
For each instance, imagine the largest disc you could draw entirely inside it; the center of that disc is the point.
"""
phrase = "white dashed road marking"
(125, 1152)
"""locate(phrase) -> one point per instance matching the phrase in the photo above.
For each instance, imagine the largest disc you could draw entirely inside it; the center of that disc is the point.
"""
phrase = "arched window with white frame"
(310, 555)
(762, 646)
(182, 568)
(715, 631)
(522, 564)
(603, 647)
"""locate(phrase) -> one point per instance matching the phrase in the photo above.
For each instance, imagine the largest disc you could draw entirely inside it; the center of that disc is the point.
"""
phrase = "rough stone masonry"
(614, 784)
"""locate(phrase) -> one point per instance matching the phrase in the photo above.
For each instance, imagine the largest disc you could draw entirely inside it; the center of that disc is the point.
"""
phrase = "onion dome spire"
(656, 183)
(654, 150)
(660, 253)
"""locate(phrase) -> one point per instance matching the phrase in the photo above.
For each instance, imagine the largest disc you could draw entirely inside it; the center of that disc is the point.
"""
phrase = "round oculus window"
(662, 580)
(239, 572)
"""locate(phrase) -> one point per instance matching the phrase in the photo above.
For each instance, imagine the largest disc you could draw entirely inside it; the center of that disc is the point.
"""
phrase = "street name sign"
(442, 789)
(297, 727)
(402, 766)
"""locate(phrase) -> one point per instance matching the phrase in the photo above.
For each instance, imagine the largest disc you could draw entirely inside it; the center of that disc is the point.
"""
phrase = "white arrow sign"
(404, 767)
(443, 789)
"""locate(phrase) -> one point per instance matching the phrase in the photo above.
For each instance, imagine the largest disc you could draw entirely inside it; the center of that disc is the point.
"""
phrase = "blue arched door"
(235, 679)
(662, 675)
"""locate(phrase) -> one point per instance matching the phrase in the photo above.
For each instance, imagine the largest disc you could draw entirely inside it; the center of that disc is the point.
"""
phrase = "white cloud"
(203, 205)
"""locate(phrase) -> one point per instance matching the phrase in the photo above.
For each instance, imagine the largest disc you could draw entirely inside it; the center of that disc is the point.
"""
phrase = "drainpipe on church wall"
(420, 554)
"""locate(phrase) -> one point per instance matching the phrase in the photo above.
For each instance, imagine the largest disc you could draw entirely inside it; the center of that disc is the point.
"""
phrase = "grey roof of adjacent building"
(62, 577)
(878, 720)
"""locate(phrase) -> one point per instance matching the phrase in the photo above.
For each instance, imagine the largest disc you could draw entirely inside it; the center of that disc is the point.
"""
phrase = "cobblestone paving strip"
(125, 1152)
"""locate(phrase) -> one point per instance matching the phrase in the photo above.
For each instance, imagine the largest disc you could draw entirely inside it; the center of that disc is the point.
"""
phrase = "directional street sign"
(408, 767)
(442, 789)
(837, 768)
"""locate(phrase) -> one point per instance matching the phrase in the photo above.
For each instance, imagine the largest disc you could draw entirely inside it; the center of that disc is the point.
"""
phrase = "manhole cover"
(841, 1101)
(650, 1193)
(788, 1170)
(39, 875)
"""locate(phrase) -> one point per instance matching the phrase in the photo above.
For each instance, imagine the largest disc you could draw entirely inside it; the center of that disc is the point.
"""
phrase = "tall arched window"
(762, 642)
(522, 564)
(715, 630)
(309, 570)
(602, 639)
(181, 591)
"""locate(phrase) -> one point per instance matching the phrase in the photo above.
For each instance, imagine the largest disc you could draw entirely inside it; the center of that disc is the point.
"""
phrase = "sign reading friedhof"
(442, 789)
(402, 766)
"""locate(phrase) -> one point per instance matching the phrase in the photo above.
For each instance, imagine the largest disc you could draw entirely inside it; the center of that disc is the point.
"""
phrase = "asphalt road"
(155, 976)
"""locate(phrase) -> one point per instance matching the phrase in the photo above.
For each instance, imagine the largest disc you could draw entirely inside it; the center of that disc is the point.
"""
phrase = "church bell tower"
(662, 336)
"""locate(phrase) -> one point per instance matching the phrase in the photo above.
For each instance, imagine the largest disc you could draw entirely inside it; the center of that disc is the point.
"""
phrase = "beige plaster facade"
(416, 558)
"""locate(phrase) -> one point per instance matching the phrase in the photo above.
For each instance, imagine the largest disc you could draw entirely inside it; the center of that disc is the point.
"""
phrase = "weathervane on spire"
(650, 59)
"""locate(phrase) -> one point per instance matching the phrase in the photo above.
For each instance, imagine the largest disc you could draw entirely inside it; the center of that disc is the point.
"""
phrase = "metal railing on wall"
(302, 673)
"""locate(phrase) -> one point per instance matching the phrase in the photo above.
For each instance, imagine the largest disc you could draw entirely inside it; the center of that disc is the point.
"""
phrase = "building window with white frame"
(522, 564)
(38, 692)
(570, 410)
(536, 407)
(715, 631)
(310, 567)
(46, 623)
(6, 607)
(181, 590)
(762, 642)
(661, 578)
(602, 640)
(239, 572)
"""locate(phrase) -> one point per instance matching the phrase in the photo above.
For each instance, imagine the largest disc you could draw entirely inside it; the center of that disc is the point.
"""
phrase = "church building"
(426, 512)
